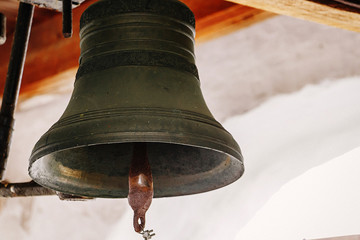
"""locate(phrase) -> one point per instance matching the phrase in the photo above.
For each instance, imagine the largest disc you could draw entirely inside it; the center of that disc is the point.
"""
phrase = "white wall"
(241, 70)
(323, 202)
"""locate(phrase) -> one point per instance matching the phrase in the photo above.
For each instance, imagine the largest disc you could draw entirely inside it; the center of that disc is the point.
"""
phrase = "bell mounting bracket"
(52, 4)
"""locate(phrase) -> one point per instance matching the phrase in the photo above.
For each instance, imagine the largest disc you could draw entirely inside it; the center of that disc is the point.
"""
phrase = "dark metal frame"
(52, 4)
(12, 88)
(13, 80)
(27, 189)
(67, 18)
(2, 28)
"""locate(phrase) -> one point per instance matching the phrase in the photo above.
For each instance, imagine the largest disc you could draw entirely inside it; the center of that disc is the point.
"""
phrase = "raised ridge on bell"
(108, 8)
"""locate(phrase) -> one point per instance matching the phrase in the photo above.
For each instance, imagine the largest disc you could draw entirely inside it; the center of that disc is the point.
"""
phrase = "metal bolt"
(67, 18)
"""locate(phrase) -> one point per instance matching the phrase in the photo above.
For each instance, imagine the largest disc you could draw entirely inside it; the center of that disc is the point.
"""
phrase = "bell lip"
(228, 148)
(239, 163)
(242, 171)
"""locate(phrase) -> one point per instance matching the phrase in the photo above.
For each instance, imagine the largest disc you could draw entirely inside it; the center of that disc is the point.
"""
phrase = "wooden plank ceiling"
(50, 54)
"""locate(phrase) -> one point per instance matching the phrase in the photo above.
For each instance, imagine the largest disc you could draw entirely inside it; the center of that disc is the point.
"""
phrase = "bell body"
(137, 82)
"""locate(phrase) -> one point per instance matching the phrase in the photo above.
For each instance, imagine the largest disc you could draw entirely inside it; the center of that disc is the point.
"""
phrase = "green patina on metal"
(137, 82)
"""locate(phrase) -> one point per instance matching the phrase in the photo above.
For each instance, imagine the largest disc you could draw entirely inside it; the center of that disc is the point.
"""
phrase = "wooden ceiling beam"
(204, 8)
(338, 13)
(228, 20)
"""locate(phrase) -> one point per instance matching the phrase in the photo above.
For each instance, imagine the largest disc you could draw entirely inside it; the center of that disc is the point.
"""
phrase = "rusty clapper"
(140, 185)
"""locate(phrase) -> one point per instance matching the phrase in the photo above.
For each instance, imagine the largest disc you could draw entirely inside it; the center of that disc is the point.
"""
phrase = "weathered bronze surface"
(137, 82)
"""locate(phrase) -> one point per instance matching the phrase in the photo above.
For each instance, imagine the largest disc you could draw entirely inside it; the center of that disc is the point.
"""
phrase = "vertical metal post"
(2, 29)
(13, 80)
(67, 18)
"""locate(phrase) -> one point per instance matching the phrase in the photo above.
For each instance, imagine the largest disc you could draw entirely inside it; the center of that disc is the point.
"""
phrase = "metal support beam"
(32, 189)
(13, 80)
(28, 189)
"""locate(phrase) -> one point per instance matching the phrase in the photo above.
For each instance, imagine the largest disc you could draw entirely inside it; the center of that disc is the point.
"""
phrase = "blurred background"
(287, 90)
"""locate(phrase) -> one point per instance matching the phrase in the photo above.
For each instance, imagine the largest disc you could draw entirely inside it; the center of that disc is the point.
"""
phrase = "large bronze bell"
(137, 82)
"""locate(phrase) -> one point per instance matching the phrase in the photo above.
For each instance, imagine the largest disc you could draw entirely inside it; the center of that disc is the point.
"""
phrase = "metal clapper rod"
(67, 18)
(140, 188)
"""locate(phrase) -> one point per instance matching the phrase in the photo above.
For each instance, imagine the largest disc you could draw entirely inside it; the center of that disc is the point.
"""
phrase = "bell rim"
(240, 169)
